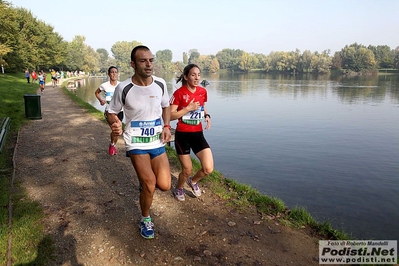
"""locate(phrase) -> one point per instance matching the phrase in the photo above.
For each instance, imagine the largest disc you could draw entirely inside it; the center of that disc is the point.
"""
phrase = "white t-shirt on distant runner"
(108, 90)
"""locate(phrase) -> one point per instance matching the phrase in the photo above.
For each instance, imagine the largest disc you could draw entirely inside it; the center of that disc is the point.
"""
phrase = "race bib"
(194, 117)
(146, 131)
(108, 96)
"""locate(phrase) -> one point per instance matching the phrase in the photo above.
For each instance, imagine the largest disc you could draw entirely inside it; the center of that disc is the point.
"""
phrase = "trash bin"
(32, 106)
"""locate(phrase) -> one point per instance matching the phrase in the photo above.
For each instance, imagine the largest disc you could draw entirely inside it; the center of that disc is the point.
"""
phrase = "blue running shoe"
(147, 228)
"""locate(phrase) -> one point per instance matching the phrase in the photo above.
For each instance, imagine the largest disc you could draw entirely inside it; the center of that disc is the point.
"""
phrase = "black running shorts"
(184, 141)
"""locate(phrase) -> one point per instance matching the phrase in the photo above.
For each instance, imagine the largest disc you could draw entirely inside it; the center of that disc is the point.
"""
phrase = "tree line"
(27, 42)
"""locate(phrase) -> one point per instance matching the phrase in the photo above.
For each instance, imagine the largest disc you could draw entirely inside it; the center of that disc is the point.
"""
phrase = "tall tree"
(247, 62)
(293, 60)
(305, 61)
(35, 44)
(121, 51)
(164, 55)
(75, 57)
(164, 60)
(193, 56)
(383, 55)
(90, 60)
(357, 57)
(229, 58)
(8, 31)
(214, 67)
(321, 63)
(336, 61)
(263, 62)
(396, 58)
(278, 61)
(185, 58)
(103, 59)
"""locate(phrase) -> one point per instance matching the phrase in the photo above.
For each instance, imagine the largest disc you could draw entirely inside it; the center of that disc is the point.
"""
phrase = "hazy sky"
(259, 26)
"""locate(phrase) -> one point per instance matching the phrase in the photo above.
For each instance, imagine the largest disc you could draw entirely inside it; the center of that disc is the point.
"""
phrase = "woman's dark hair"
(135, 49)
(110, 68)
(186, 71)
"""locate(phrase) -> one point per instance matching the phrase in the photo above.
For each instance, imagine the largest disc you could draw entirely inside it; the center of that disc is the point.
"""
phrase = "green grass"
(29, 244)
(88, 107)
(12, 91)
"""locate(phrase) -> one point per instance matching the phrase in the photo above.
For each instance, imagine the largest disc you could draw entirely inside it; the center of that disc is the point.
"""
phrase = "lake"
(329, 144)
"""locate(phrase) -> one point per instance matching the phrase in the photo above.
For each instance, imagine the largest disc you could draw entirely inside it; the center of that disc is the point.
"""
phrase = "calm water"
(328, 144)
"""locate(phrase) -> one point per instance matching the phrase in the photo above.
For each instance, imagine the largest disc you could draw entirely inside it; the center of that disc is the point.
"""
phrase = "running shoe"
(194, 187)
(112, 150)
(147, 228)
(178, 193)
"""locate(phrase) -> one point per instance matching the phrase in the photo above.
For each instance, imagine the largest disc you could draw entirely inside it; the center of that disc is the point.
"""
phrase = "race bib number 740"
(146, 131)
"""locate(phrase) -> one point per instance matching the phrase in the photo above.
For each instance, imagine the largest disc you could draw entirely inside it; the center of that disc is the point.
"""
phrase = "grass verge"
(27, 230)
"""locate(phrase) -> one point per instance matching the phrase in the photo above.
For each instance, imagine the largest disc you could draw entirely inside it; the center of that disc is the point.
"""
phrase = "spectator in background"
(34, 76)
(58, 76)
(27, 75)
(53, 77)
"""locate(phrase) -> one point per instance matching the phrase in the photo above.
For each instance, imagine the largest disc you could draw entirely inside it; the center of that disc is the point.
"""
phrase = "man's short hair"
(135, 49)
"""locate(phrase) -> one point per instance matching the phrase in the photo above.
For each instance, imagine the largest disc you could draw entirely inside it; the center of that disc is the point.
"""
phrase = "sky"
(254, 26)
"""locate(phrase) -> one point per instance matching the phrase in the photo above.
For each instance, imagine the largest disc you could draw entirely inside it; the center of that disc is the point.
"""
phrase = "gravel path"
(91, 204)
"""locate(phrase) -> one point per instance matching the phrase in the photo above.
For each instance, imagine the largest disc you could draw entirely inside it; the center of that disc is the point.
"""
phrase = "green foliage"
(208, 63)
(104, 60)
(75, 58)
(248, 62)
(8, 30)
(164, 56)
(396, 58)
(164, 61)
(90, 60)
(30, 246)
(12, 90)
(383, 55)
(357, 57)
(26, 42)
(229, 58)
(193, 56)
(300, 217)
(4, 194)
(122, 54)
(185, 58)
(326, 229)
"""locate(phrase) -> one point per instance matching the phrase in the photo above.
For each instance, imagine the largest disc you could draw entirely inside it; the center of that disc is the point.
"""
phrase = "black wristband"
(207, 115)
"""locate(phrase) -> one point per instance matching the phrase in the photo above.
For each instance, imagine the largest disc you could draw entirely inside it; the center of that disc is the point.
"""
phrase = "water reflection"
(350, 90)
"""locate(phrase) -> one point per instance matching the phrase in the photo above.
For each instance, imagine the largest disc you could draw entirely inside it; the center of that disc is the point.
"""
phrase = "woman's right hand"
(192, 106)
